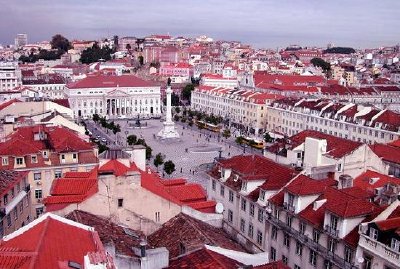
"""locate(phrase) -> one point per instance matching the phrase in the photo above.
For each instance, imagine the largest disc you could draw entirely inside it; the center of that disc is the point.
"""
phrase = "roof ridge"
(211, 253)
(197, 228)
(39, 245)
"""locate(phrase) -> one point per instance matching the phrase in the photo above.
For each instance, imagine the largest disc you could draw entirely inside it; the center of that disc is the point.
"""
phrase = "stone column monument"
(169, 130)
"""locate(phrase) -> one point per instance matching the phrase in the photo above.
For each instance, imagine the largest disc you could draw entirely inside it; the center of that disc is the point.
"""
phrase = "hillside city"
(190, 152)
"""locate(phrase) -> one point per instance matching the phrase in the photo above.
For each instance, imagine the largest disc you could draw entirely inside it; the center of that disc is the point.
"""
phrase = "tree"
(141, 60)
(177, 109)
(239, 140)
(128, 47)
(131, 139)
(169, 82)
(187, 92)
(174, 99)
(116, 129)
(95, 53)
(96, 117)
(169, 167)
(149, 150)
(321, 63)
(267, 137)
(226, 133)
(60, 43)
(158, 160)
(340, 50)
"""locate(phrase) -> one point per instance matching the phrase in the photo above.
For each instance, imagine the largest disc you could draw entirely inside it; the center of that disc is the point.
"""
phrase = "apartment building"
(314, 223)
(10, 76)
(345, 120)
(321, 155)
(15, 201)
(50, 86)
(243, 184)
(243, 108)
(45, 153)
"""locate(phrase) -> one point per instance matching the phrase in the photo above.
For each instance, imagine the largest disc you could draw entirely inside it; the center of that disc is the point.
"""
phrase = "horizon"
(262, 24)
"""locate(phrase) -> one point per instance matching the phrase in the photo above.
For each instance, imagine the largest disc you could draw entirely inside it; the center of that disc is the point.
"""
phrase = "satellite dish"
(219, 208)
(360, 260)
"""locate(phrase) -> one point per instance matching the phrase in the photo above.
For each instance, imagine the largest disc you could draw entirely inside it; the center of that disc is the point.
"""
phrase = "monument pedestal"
(169, 130)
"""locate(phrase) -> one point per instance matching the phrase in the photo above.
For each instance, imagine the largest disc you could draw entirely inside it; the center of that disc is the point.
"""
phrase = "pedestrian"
(190, 171)
(229, 153)
(193, 172)
(181, 169)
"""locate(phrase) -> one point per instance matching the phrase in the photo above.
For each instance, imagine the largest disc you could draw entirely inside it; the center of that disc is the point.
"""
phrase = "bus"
(208, 126)
(255, 143)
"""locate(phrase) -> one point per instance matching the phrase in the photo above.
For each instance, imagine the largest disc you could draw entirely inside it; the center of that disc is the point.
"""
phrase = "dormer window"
(45, 154)
(244, 186)
(373, 233)
(74, 156)
(262, 195)
(33, 159)
(4, 160)
(19, 161)
(395, 244)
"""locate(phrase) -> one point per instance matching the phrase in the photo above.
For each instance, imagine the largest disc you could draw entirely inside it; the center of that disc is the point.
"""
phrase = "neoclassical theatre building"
(114, 96)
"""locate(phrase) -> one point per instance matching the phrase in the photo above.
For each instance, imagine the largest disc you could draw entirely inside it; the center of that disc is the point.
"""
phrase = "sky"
(261, 23)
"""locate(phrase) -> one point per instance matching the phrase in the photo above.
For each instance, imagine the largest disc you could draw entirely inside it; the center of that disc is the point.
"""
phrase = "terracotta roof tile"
(183, 230)
(387, 152)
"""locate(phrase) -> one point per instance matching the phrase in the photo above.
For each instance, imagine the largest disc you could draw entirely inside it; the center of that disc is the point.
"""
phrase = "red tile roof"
(387, 152)
(304, 185)
(8, 103)
(336, 147)
(255, 167)
(49, 241)
(117, 168)
(389, 224)
(110, 81)
(192, 234)
(370, 180)
(9, 178)
(70, 190)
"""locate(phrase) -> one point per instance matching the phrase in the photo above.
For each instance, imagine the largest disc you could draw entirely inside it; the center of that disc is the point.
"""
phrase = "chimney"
(138, 156)
(143, 245)
(345, 181)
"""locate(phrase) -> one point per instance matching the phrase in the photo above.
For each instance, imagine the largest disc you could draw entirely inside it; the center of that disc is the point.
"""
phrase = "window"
(33, 159)
(259, 237)
(302, 228)
(222, 191)
(251, 230)
(260, 215)
(334, 222)
(273, 254)
(157, 216)
(230, 216)
(262, 195)
(5, 199)
(252, 209)
(274, 233)
(21, 206)
(286, 240)
(315, 236)
(313, 258)
(74, 156)
(15, 213)
(373, 233)
(299, 248)
(4, 160)
(20, 161)
(339, 167)
(244, 186)
(243, 204)
(214, 184)
(57, 174)
(242, 225)
(297, 267)
(289, 220)
(39, 211)
(63, 157)
(331, 245)
(38, 194)
(37, 176)
(328, 264)
(348, 254)
(230, 196)
(120, 202)
(284, 259)
(395, 244)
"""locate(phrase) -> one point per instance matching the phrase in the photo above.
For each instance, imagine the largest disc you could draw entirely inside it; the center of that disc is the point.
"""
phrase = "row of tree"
(169, 166)
(133, 140)
(115, 128)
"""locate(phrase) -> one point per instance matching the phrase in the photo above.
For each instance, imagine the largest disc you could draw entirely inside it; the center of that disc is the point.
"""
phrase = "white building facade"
(114, 96)
(10, 76)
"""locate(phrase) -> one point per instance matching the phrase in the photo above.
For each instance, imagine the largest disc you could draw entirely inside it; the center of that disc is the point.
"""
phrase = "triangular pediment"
(117, 92)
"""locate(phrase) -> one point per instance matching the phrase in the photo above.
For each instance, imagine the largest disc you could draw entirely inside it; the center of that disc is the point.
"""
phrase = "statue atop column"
(169, 129)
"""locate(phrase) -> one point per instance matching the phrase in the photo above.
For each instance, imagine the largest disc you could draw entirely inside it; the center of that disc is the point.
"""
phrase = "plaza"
(192, 154)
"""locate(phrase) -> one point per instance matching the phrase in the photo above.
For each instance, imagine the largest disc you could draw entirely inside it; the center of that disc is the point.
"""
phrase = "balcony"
(331, 231)
(377, 248)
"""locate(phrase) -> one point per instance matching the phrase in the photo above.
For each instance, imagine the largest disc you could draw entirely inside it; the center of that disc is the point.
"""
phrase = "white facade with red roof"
(342, 119)
(179, 72)
(126, 191)
(321, 155)
(241, 107)
(45, 153)
(113, 96)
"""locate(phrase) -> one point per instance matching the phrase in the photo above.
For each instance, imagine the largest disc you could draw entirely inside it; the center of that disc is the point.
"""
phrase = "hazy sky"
(263, 23)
